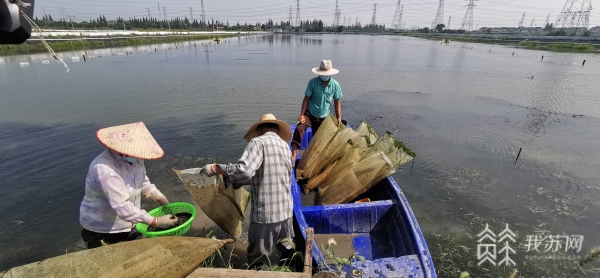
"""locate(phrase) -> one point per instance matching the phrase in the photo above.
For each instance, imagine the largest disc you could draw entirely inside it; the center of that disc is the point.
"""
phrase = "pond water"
(465, 109)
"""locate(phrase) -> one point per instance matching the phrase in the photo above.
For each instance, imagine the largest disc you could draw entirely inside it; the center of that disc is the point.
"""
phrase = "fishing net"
(225, 206)
(150, 257)
(345, 163)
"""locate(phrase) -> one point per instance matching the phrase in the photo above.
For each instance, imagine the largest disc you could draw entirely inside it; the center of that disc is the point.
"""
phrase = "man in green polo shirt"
(317, 103)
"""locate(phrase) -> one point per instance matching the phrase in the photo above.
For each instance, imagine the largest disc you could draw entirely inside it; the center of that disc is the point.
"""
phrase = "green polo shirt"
(319, 104)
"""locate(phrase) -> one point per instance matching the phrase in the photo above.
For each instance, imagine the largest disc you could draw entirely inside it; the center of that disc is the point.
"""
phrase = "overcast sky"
(487, 13)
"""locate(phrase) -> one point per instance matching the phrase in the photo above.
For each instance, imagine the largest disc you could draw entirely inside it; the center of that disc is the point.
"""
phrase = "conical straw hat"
(132, 140)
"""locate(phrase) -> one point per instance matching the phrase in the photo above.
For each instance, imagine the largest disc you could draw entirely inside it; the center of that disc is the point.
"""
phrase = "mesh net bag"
(150, 257)
(225, 206)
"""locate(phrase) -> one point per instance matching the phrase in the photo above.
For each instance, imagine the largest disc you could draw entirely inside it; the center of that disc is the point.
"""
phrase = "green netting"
(150, 257)
(226, 207)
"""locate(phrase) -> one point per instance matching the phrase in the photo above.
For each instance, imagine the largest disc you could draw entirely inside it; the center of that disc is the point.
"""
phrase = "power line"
(439, 17)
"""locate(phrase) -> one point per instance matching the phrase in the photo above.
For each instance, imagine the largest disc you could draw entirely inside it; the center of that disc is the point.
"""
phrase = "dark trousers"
(310, 121)
(93, 239)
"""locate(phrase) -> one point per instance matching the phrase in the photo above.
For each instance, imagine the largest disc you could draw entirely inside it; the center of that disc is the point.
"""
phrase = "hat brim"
(319, 71)
(285, 132)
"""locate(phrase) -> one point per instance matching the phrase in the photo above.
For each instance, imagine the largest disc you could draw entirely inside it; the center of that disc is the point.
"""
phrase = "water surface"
(464, 109)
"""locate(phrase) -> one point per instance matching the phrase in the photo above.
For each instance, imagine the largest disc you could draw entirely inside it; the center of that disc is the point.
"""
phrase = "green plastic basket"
(172, 208)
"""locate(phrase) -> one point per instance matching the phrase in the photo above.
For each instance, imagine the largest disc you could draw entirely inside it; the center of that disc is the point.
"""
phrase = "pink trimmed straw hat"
(132, 140)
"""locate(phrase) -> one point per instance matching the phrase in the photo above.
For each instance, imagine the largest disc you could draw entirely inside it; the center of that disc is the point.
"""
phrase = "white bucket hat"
(285, 132)
(132, 140)
(326, 68)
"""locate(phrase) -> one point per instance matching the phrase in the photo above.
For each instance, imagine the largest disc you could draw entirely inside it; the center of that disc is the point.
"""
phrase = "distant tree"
(440, 27)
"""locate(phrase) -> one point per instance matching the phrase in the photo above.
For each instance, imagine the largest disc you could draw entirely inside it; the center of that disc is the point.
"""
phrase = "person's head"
(325, 70)
(132, 141)
(267, 123)
(266, 127)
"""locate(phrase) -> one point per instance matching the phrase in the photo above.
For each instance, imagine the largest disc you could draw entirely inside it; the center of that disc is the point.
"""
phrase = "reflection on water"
(465, 111)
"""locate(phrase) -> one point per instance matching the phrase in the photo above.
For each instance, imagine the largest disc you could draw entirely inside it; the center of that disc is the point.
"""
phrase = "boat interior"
(376, 225)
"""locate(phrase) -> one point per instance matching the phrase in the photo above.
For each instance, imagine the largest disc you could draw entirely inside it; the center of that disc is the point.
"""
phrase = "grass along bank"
(573, 47)
(61, 43)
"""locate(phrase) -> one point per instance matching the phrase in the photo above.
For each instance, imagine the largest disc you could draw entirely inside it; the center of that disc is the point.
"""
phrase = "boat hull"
(383, 231)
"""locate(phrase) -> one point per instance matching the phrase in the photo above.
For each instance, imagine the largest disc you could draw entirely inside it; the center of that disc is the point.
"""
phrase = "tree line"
(146, 23)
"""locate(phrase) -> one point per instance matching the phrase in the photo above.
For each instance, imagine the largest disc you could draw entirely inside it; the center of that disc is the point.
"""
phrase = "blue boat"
(384, 231)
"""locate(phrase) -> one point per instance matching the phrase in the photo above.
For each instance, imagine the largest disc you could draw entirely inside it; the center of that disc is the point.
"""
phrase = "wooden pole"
(308, 251)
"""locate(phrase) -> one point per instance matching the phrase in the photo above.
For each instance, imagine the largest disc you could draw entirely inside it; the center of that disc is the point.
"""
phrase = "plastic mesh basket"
(172, 208)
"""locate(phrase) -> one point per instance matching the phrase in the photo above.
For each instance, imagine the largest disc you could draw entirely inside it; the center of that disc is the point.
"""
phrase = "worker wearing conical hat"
(316, 104)
(266, 166)
(115, 183)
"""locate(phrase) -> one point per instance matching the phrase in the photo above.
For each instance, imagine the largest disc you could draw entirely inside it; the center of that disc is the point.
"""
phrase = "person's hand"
(166, 221)
(301, 119)
(163, 202)
(209, 169)
(339, 121)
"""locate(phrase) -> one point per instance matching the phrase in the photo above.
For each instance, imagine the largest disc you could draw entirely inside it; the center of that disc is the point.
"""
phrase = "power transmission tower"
(165, 14)
(439, 17)
(298, 13)
(290, 20)
(158, 10)
(339, 13)
(547, 20)
(374, 19)
(532, 21)
(356, 25)
(191, 15)
(202, 15)
(575, 14)
(149, 14)
(449, 20)
(402, 23)
(522, 22)
(396, 22)
(336, 15)
(467, 23)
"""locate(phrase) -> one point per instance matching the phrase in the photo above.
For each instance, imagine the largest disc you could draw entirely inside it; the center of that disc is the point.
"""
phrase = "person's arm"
(150, 191)
(241, 172)
(305, 101)
(337, 95)
(304, 106)
(338, 110)
(117, 194)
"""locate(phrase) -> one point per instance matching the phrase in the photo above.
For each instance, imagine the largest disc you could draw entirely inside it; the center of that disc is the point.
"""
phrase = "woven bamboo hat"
(285, 132)
(132, 140)
(326, 68)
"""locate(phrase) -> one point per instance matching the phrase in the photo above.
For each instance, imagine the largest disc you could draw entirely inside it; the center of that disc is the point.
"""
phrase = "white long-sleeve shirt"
(113, 189)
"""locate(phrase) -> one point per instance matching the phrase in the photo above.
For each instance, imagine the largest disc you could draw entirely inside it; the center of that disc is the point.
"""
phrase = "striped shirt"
(267, 161)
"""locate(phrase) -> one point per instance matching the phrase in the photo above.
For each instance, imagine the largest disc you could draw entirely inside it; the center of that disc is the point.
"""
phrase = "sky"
(486, 13)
